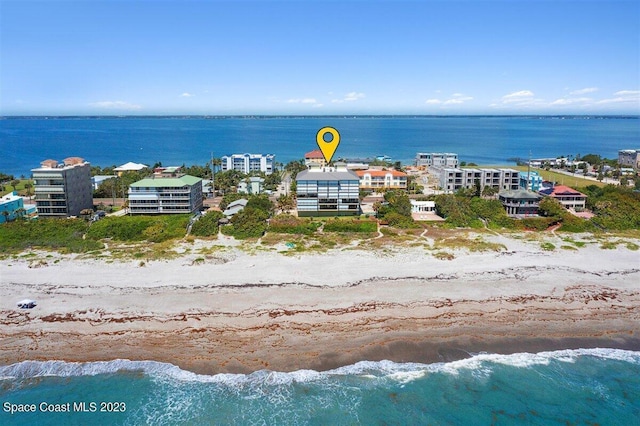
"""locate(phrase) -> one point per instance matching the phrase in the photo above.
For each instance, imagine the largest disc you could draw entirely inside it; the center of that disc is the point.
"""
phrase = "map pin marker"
(329, 147)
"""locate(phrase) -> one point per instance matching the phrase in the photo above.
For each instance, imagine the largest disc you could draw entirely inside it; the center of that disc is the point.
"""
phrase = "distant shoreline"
(342, 116)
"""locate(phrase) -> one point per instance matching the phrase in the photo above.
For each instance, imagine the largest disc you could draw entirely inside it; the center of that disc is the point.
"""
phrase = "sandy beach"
(241, 312)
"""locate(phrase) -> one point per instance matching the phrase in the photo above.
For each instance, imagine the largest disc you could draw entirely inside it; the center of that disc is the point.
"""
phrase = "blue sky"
(319, 57)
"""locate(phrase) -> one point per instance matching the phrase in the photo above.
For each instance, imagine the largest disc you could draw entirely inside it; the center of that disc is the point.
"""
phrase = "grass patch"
(547, 246)
(565, 247)
(443, 255)
(472, 244)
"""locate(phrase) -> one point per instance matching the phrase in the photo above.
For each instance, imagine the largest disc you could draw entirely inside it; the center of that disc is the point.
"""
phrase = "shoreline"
(243, 312)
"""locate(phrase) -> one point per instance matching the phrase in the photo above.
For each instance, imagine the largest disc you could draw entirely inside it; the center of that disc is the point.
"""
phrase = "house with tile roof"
(568, 197)
(382, 179)
(314, 158)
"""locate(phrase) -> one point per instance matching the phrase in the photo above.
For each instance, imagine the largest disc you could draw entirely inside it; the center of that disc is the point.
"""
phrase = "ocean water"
(25, 142)
(576, 387)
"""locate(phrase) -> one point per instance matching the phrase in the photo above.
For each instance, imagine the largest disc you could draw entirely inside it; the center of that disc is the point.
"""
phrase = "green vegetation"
(207, 225)
(287, 224)
(140, 228)
(65, 235)
(547, 246)
(396, 211)
(350, 225)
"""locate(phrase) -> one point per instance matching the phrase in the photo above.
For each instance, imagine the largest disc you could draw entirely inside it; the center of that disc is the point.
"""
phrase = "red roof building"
(382, 179)
(314, 157)
(568, 197)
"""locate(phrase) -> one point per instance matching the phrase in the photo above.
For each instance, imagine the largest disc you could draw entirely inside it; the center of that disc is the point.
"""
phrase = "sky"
(143, 57)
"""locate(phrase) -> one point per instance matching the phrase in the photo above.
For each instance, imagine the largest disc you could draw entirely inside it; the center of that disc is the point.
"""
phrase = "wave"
(399, 372)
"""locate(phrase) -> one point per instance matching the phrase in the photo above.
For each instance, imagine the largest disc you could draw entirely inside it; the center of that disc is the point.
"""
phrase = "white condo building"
(247, 163)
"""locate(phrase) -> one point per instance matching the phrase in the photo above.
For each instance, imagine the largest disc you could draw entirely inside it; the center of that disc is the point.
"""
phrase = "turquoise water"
(584, 386)
(175, 141)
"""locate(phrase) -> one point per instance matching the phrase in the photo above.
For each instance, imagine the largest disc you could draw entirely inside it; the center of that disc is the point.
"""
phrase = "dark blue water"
(175, 141)
(594, 386)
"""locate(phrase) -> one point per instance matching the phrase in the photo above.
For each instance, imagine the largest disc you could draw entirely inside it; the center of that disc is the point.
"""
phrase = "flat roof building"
(166, 195)
(328, 191)
(247, 163)
(63, 190)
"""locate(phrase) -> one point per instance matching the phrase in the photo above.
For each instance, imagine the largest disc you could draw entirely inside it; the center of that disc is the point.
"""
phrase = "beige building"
(382, 179)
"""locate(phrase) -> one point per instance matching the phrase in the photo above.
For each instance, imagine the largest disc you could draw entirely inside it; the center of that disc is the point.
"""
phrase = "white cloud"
(628, 93)
(518, 96)
(118, 105)
(571, 101)
(623, 97)
(354, 96)
(302, 101)
(186, 95)
(584, 91)
(349, 97)
(456, 99)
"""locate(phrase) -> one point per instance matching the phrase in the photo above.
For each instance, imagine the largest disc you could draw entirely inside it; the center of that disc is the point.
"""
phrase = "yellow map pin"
(328, 148)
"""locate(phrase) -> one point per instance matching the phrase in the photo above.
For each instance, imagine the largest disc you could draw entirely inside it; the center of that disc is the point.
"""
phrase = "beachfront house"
(235, 207)
(520, 203)
(63, 189)
(247, 163)
(314, 158)
(375, 180)
(327, 191)
(11, 207)
(130, 167)
(568, 197)
(166, 195)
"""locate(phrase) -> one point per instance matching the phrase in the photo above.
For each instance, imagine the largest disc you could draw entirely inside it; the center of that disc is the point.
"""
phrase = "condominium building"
(453, 179)
(327, 191)
(247, 163)
(164, 195)
(63, 190)
(629, 158)
(531, 181)
(436, 159)
(382, 179)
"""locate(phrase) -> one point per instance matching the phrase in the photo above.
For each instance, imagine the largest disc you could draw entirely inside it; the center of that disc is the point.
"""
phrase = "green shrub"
(287, 224)
(350, 225)
(60, 234)
(207, 225)
(140, 228)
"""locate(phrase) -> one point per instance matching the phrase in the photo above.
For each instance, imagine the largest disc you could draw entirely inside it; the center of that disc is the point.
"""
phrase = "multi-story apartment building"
(164, 195)
(63, 190)
(247, 163)
(436, 159)
(327, 191)
(629, 158)
(382, 179)
(452, 179)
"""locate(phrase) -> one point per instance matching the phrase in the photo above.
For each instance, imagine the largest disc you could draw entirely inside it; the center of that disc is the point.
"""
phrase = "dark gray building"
(63, 190)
